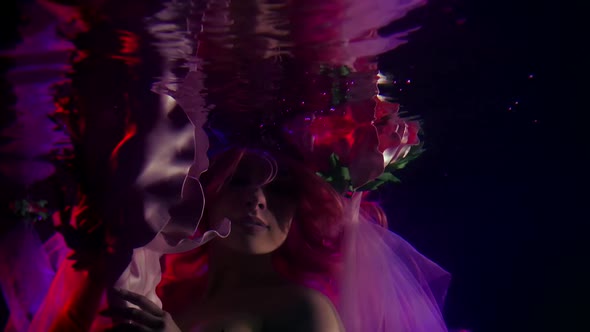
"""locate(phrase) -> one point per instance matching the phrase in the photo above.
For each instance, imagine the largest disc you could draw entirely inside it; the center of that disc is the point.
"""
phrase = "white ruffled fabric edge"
(143, 273)
(43, 271)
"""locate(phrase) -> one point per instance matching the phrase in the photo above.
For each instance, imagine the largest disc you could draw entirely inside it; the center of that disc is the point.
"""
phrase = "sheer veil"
(386, 284)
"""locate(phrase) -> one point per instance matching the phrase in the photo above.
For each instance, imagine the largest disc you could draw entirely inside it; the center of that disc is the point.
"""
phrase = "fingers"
(139, 318)
(141, 301)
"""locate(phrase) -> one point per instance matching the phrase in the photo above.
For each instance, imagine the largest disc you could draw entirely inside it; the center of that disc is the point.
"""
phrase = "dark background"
(492, 199)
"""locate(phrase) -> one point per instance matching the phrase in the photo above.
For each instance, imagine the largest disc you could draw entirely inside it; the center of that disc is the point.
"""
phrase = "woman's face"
(259, 204)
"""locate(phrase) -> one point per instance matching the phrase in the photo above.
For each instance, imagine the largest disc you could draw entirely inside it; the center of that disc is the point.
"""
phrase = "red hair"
(310, 255)
(373, 211)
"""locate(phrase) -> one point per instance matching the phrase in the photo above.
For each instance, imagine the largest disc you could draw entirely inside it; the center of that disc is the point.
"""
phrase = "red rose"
(396, 135)
(348, 132)
(367, 136)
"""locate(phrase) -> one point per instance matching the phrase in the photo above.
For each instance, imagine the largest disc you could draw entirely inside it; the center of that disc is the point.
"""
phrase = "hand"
(149, 318)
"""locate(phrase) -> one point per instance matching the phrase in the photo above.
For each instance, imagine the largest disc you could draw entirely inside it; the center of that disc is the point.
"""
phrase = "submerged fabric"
(386, 284)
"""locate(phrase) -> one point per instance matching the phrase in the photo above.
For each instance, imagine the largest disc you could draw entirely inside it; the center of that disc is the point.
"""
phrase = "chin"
(254, 248)
(253, 241)
(250, 246)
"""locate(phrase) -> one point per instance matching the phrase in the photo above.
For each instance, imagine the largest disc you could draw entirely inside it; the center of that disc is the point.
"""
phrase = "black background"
(496, 197)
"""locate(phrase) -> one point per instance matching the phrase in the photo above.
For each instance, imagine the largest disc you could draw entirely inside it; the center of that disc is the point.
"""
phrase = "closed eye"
(282, 188)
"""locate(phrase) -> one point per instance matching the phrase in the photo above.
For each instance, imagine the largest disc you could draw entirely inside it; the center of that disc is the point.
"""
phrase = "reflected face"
(260, 205)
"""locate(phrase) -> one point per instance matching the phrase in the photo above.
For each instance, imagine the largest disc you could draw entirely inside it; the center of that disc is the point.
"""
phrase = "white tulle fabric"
(386, 284)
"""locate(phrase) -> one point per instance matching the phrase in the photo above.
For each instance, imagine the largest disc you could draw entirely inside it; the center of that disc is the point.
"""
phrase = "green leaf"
(326, 178)
(345, 173)
(334, 160)
(339, 173)
(340, 185)
(370, 186)
(344, 71)
(388, 177)
(415, 152)
(380, 180)
(397, 165)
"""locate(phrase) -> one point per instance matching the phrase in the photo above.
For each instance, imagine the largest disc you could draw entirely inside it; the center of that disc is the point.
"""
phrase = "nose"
(256, 199)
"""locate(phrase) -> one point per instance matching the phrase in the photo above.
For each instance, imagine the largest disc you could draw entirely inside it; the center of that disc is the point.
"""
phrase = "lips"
(253, 222)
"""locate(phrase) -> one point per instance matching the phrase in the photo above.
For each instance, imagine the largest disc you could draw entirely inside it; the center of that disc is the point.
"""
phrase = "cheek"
(283, 210)
(280, 232)
(285, 225)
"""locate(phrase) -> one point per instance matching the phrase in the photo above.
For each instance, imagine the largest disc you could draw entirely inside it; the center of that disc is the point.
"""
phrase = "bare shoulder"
(311, 311)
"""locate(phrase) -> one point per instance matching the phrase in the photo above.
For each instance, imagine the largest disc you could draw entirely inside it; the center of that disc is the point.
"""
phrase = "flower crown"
(285, 80)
